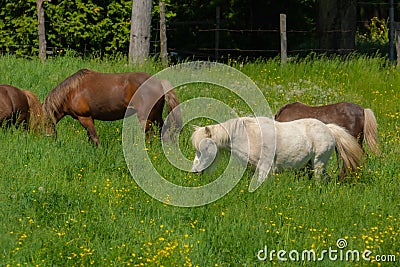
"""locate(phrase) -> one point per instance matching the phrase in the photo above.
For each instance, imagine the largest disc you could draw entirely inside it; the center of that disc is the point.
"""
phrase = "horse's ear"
(195, 127)
(208, 132)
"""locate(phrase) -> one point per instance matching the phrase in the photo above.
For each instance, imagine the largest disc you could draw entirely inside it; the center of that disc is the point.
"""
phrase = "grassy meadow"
(67, 203)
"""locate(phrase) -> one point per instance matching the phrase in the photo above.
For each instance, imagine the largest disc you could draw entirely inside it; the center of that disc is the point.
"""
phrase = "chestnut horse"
(89, 95)
(19, 107)
(358, 121)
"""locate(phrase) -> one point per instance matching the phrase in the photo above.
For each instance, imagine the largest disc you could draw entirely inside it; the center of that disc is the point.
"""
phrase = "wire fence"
(300, 41)
(210, 52)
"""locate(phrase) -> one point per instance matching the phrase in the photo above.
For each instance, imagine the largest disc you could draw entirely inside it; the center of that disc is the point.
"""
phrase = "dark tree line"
(103, 27)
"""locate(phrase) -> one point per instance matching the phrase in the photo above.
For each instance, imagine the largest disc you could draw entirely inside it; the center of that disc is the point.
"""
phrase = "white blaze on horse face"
(196, 162)
(205, 155)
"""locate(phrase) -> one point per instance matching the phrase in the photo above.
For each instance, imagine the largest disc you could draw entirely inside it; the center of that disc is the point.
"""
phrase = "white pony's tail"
(349, 150)
(371, 130)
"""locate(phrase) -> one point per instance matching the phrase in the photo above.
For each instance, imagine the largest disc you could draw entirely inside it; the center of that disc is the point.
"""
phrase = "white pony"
(296, 144)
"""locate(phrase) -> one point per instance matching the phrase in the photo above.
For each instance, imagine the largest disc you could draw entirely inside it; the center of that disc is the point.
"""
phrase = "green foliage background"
(80, 25)
(102, 27)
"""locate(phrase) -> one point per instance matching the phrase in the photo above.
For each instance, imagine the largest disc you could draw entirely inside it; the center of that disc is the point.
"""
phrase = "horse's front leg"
(88, 124)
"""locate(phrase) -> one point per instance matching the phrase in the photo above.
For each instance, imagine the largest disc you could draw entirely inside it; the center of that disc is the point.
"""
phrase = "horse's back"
(299, 141)
(302, 129)
(290, 112)
(344, 114)
(305, 133)
(106, 96)
(117, 85)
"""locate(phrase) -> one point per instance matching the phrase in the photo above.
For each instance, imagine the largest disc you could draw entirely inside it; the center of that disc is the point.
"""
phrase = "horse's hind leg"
(88, 124)
(319, 165)
(308, 170)
(147, 127)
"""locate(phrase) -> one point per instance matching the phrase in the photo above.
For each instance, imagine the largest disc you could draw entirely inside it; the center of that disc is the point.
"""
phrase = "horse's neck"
(58, 115)
(220, 135)
(55, 112)
(227, 132)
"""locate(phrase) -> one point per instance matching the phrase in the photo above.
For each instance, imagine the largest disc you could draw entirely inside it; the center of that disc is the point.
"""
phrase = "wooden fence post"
(41, 30)
(283, 38)
(139, 37)
(163, 35)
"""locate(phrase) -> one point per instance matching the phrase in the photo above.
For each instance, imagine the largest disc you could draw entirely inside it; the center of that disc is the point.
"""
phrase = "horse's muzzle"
(50, 134)
(197, 172)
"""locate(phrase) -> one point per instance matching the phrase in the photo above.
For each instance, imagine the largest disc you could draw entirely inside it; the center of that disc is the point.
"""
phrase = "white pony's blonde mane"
(218, 132)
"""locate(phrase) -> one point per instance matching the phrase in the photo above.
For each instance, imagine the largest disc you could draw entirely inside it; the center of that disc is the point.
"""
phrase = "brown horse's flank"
(14, 108)
(20, 107)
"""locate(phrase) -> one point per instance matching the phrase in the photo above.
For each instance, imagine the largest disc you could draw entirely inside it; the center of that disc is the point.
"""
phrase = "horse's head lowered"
(52, 109)
(49, 126)
(206, 149)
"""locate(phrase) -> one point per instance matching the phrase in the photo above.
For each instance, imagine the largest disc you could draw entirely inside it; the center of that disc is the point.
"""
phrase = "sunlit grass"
(67, 203)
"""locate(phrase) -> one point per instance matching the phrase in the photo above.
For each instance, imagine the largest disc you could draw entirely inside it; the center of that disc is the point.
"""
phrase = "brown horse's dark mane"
(57, 97)
(35, 111)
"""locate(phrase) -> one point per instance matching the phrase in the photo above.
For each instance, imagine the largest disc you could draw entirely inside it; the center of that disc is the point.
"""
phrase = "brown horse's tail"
(349, 150)
(174, 119)
(35, 111)
(371, 130)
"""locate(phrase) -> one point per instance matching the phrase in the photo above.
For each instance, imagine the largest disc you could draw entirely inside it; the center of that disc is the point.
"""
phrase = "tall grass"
(66, 203)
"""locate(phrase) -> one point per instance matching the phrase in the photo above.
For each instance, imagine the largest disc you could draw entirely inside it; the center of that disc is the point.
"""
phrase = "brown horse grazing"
(89, 95)
(19, 107)
(359, 122)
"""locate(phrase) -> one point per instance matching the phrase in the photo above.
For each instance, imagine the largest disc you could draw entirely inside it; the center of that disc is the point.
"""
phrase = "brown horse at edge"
(358, 121)
(20, 107)
(89, 95)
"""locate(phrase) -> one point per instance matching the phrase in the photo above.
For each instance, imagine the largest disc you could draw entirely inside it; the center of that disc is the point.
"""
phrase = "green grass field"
(67, 203)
